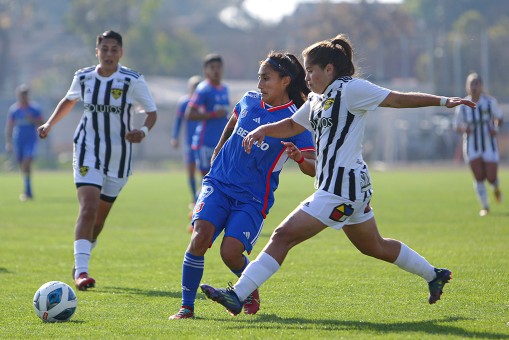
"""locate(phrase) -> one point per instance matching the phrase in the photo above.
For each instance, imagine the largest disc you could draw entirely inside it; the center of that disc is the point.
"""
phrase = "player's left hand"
(135, 136)
(455, 101)
(292, 151)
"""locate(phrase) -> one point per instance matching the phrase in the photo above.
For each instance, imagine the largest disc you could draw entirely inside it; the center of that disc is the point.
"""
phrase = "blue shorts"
(240, 220)
(203, 155)
(24, 149)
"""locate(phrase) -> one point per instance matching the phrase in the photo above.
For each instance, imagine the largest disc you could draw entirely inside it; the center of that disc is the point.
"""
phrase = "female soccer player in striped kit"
(238, 192)
(336, 112)
(479, 127)
(102, 141)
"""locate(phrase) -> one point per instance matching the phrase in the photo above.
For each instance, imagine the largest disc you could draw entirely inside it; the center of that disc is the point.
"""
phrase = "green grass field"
(325, 289)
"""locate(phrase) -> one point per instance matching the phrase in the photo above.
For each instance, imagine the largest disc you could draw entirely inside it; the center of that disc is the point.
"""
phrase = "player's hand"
(255, 136)
(292, 151)
(44, 130)
(174, 143)
(455, 101)
(135, 136)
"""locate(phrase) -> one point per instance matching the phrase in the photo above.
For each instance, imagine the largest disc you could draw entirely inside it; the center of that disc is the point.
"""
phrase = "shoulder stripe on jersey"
(85, 70)
(130, 72)
(107, 134)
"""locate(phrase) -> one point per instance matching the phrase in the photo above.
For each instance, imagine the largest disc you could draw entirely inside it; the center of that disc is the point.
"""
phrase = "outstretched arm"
(283, 129)
(416, 99)
(227, 132)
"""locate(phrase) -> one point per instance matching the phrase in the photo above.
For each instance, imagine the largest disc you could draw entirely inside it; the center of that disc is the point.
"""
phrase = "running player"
(238, 192)
(190, 127)
(480, 127)
(21, 136)
(336, 112)
(102, 141)
(209, 105)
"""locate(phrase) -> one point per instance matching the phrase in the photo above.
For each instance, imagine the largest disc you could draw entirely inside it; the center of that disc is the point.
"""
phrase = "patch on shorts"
(84, 170)
(341, 212)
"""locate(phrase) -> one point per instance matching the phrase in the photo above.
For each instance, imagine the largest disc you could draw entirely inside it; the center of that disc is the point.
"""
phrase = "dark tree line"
(433, 41)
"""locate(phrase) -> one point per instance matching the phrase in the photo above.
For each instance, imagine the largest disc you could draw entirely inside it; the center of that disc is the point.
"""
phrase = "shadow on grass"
(138, 291)
(5, 271)
(431, 327)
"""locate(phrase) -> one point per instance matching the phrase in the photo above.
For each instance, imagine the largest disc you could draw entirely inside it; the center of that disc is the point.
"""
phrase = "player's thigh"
(212, 206)
(245, 223)
(491, 171)
(477, 167)
(364, 236)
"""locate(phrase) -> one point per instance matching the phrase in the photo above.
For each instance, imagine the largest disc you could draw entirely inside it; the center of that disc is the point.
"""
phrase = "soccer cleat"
(484, 212)
(25, 197)
(498, 195)
(437, 284)
(226, 297)
(83, 282)
(184, 313)
(252, 303)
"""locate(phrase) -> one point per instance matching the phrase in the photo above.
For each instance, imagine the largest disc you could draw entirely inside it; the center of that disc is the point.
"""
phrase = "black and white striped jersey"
(480, 121)
(108, 108)
(338, 119)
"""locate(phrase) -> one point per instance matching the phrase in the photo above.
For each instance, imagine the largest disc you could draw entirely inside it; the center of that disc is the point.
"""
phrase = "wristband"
(145, 130)
(301, 160)
(443, 101)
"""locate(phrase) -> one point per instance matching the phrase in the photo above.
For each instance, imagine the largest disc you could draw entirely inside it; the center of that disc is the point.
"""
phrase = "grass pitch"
(325, 288)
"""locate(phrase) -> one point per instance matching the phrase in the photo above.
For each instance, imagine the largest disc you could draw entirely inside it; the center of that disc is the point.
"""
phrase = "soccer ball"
(55, 301)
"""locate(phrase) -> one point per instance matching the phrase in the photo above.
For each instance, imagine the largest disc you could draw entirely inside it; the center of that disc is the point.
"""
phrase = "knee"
(201, 240)
(230, 257)
(282, 236)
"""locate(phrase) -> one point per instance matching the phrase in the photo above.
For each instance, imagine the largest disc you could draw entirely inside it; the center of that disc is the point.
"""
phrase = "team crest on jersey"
(328, 103)
(84, 170)
(341, 212)
(116, 93)
(243, 113)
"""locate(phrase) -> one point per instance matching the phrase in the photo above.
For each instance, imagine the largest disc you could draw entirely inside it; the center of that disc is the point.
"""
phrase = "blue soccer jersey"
(24, 120)
(190, 125)
(254, 177)
(209, 98)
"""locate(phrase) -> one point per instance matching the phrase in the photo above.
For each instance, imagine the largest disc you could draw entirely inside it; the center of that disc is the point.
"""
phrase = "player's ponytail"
(337, 51)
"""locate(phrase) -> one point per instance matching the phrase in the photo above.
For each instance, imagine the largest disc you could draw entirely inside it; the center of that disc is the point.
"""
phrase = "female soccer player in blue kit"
(336, 111)
(238, 192)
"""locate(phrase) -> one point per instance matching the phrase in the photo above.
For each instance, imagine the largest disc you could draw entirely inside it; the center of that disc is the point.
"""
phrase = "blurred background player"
(102, 141)
(209, 105)
(480, 127)
(21, 136)
(189, 128)
(238, 192)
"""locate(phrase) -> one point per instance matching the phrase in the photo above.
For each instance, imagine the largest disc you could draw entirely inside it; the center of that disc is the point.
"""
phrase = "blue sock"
(239, 272)
(28, 186)
(192, 185)
(192, 272)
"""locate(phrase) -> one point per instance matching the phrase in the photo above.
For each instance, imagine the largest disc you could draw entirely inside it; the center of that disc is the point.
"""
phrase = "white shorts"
(335, 211)
(486, 155)
(110, 186)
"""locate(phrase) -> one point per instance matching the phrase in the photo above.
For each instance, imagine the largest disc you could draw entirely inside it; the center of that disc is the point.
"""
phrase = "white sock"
(414, 263)
(82, 250)
(480, 189)
(255, 274)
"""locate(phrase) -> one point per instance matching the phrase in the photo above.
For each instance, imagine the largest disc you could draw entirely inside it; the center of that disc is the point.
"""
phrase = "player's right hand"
(43, 130)
(255, 136)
